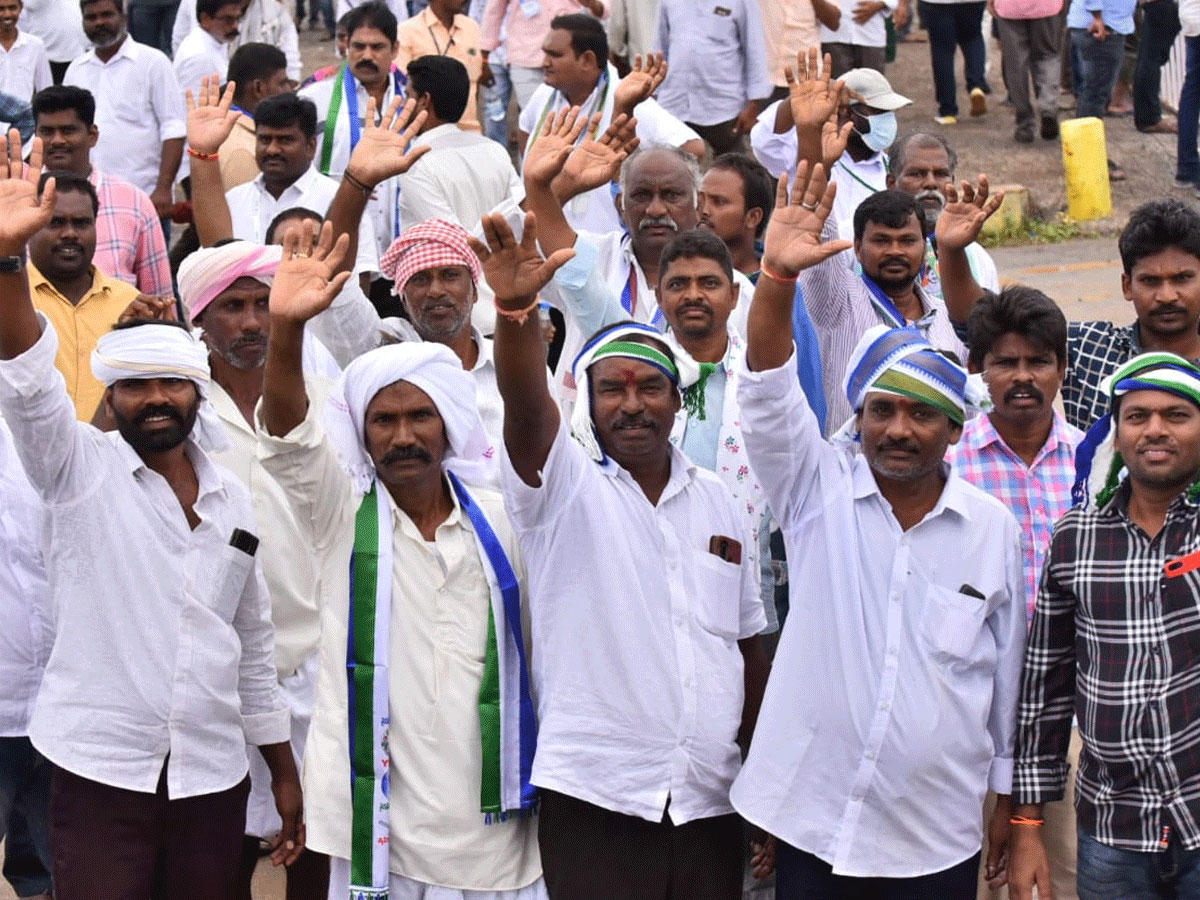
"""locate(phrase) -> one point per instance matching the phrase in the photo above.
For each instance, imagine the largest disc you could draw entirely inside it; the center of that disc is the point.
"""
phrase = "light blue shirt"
(700, 439)
(1117, 14)
(717, 56)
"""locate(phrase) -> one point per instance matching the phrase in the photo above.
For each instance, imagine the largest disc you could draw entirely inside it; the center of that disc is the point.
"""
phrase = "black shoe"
(1049, 128)
(1023, 135)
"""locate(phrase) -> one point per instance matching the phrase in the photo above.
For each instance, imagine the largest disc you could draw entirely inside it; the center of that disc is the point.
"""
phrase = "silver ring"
(812, 208)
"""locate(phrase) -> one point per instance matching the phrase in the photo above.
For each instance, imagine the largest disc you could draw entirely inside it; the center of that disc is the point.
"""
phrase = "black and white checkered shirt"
(1094, 351)
(1117, 643)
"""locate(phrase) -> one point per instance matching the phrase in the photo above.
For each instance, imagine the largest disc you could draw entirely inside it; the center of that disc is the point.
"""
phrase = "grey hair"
(693, 166)
(926, 139)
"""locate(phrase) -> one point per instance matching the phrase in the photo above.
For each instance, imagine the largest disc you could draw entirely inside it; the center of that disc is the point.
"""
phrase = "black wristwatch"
(10, 265)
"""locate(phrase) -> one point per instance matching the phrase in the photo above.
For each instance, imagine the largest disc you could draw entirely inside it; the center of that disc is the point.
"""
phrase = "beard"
(246, 353)
(158, 440)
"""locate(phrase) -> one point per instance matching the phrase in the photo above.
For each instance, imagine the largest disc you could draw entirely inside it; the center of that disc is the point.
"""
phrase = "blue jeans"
(1099, 65)
(802, 876)
(501, 93)
(1187, 166)
(25, 790)
(952, 25)
(1160, 25)
(151, 23)
(1106, 873)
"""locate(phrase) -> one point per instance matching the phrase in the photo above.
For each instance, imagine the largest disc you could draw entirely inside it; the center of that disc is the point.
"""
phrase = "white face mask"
(883, 131)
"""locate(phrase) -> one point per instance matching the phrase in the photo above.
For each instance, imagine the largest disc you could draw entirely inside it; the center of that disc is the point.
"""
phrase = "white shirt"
(200, 55)
(383, 210)
(164, 642)
(24, 67)
(872, 33)
(891, 706)
(637, 672)
(58, 24)
(595, 210)
(26, 629)
(264, 22)
(463, 177)
(287, 561)
(440, 601)
(252, 209)
(631, 27)
(138, 106)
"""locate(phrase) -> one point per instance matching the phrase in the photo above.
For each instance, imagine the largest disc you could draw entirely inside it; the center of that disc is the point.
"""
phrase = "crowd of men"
(681, 511)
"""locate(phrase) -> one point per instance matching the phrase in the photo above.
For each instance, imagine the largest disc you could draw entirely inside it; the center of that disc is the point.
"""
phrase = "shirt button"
(857, 798)
(871, 755)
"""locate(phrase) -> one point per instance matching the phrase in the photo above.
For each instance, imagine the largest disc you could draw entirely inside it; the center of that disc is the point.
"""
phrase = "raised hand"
(515, 271)
(383, 150)
(793, 238)
(547, 154)
(210, 117)
(641, 82)
(304, 283)
(25, 214)
(967, 208)
(813, 98)
(596, 162)
(148, 306)
(833, 142)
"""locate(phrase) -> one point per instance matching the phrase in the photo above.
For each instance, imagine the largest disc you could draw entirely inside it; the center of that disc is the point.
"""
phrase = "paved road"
(1084, 276)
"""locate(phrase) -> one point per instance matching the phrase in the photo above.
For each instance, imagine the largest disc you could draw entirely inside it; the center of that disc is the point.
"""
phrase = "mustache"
(152, 411)
(902, 446)
(401, 454)
(249, 340)
(695, 304)
(1024, 390)
(367, 64)
(657, 221)
(920, 196)
(634, 422)
(1168, 309)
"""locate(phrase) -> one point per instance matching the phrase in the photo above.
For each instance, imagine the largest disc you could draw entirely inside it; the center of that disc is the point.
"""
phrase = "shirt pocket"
(130, 107)
(952, 624)
(719, 585)
(719, 27)
(223, 592)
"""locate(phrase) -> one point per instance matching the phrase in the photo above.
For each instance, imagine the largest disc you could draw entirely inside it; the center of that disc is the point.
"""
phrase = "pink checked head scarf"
(207, 272)
(433, 243)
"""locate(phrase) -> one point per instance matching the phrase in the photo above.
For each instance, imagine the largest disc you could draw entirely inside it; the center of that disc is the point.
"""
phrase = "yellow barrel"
(1085, 162)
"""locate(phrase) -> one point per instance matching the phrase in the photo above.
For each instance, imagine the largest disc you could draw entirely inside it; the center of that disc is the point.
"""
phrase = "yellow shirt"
(79, 327)
(425, 35)
(236, 156)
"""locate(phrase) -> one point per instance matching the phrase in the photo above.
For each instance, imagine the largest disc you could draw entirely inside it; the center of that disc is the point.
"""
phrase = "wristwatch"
(10, 265)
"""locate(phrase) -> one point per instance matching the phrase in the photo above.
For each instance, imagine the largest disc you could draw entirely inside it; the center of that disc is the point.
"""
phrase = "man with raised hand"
(162, 671)
(423, 731)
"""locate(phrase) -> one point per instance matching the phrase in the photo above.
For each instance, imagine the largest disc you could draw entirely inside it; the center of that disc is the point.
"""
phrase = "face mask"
(883, 131)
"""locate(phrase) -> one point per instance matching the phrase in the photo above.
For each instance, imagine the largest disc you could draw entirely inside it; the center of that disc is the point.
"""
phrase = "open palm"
(383, 150)
(596, 162)
(812, 96)
(25, 213)
(793, 238)
(304, 283)
(967, 208)
(210, 118)
(641, 82)
(515, 271)
(546, 156)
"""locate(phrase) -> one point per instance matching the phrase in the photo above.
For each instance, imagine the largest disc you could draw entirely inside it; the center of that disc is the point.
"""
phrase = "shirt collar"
(212, 42)
(301, 184)
(484, 346)
(683, 470)
(207, 475)
(37, 280)
(429, 20)
(406, 524)
(226, 409)
(982, 433)
(443, 130)
(953, 497)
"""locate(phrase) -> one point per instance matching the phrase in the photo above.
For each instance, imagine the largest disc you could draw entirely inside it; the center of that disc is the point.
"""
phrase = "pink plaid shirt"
(1037, 496)
(129, 237)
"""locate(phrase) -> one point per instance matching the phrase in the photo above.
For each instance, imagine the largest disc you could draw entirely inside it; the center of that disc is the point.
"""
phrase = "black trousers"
(591, 853)
(802, 876)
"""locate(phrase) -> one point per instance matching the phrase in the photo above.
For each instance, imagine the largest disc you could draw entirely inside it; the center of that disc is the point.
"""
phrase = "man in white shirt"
(60, 27)
(285, 145)
(139, 106)
(860, 39)
(631, 28)
(342, 105)
(578, 74)
(464, 175)
(173, 645)
(891, 707)
(418, 762)
(26, 635)
(263, 22)
(205, 50)
(24, 68)
(647, 663)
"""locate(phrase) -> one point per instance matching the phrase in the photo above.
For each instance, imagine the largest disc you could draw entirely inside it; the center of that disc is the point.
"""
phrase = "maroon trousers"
(113, 844)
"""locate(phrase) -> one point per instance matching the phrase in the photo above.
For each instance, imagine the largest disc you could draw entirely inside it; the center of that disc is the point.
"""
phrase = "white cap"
(874, 89)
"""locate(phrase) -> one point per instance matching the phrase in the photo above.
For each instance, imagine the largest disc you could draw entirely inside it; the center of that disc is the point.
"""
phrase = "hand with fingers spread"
(641, 82)
(833, 142)
(595, 163)
(25, 212)
(211, 117)
(305, 283)
(383, 150)
(546, 155)
(793, 239)
(967, 208)
(813, 97)
(515, 271)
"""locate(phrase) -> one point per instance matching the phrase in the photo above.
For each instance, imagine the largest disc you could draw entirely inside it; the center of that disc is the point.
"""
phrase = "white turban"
(439, 373)
(207, 272)
(161, 351)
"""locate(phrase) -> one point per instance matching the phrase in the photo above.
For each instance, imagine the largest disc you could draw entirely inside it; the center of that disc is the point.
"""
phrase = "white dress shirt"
(595, 210)
(717, 56)
(164, 642)
(138, 106)
(463, 177)
(891, 706)
(199, 56)
(26, 628)
(58, 24)
(636, 667)
(264, 22)
(440, 602)
(252, 209)
(24, 67)
(872, 33)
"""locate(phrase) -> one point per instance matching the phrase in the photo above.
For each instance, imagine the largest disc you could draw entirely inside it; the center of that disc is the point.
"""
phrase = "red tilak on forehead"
(631, 378)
